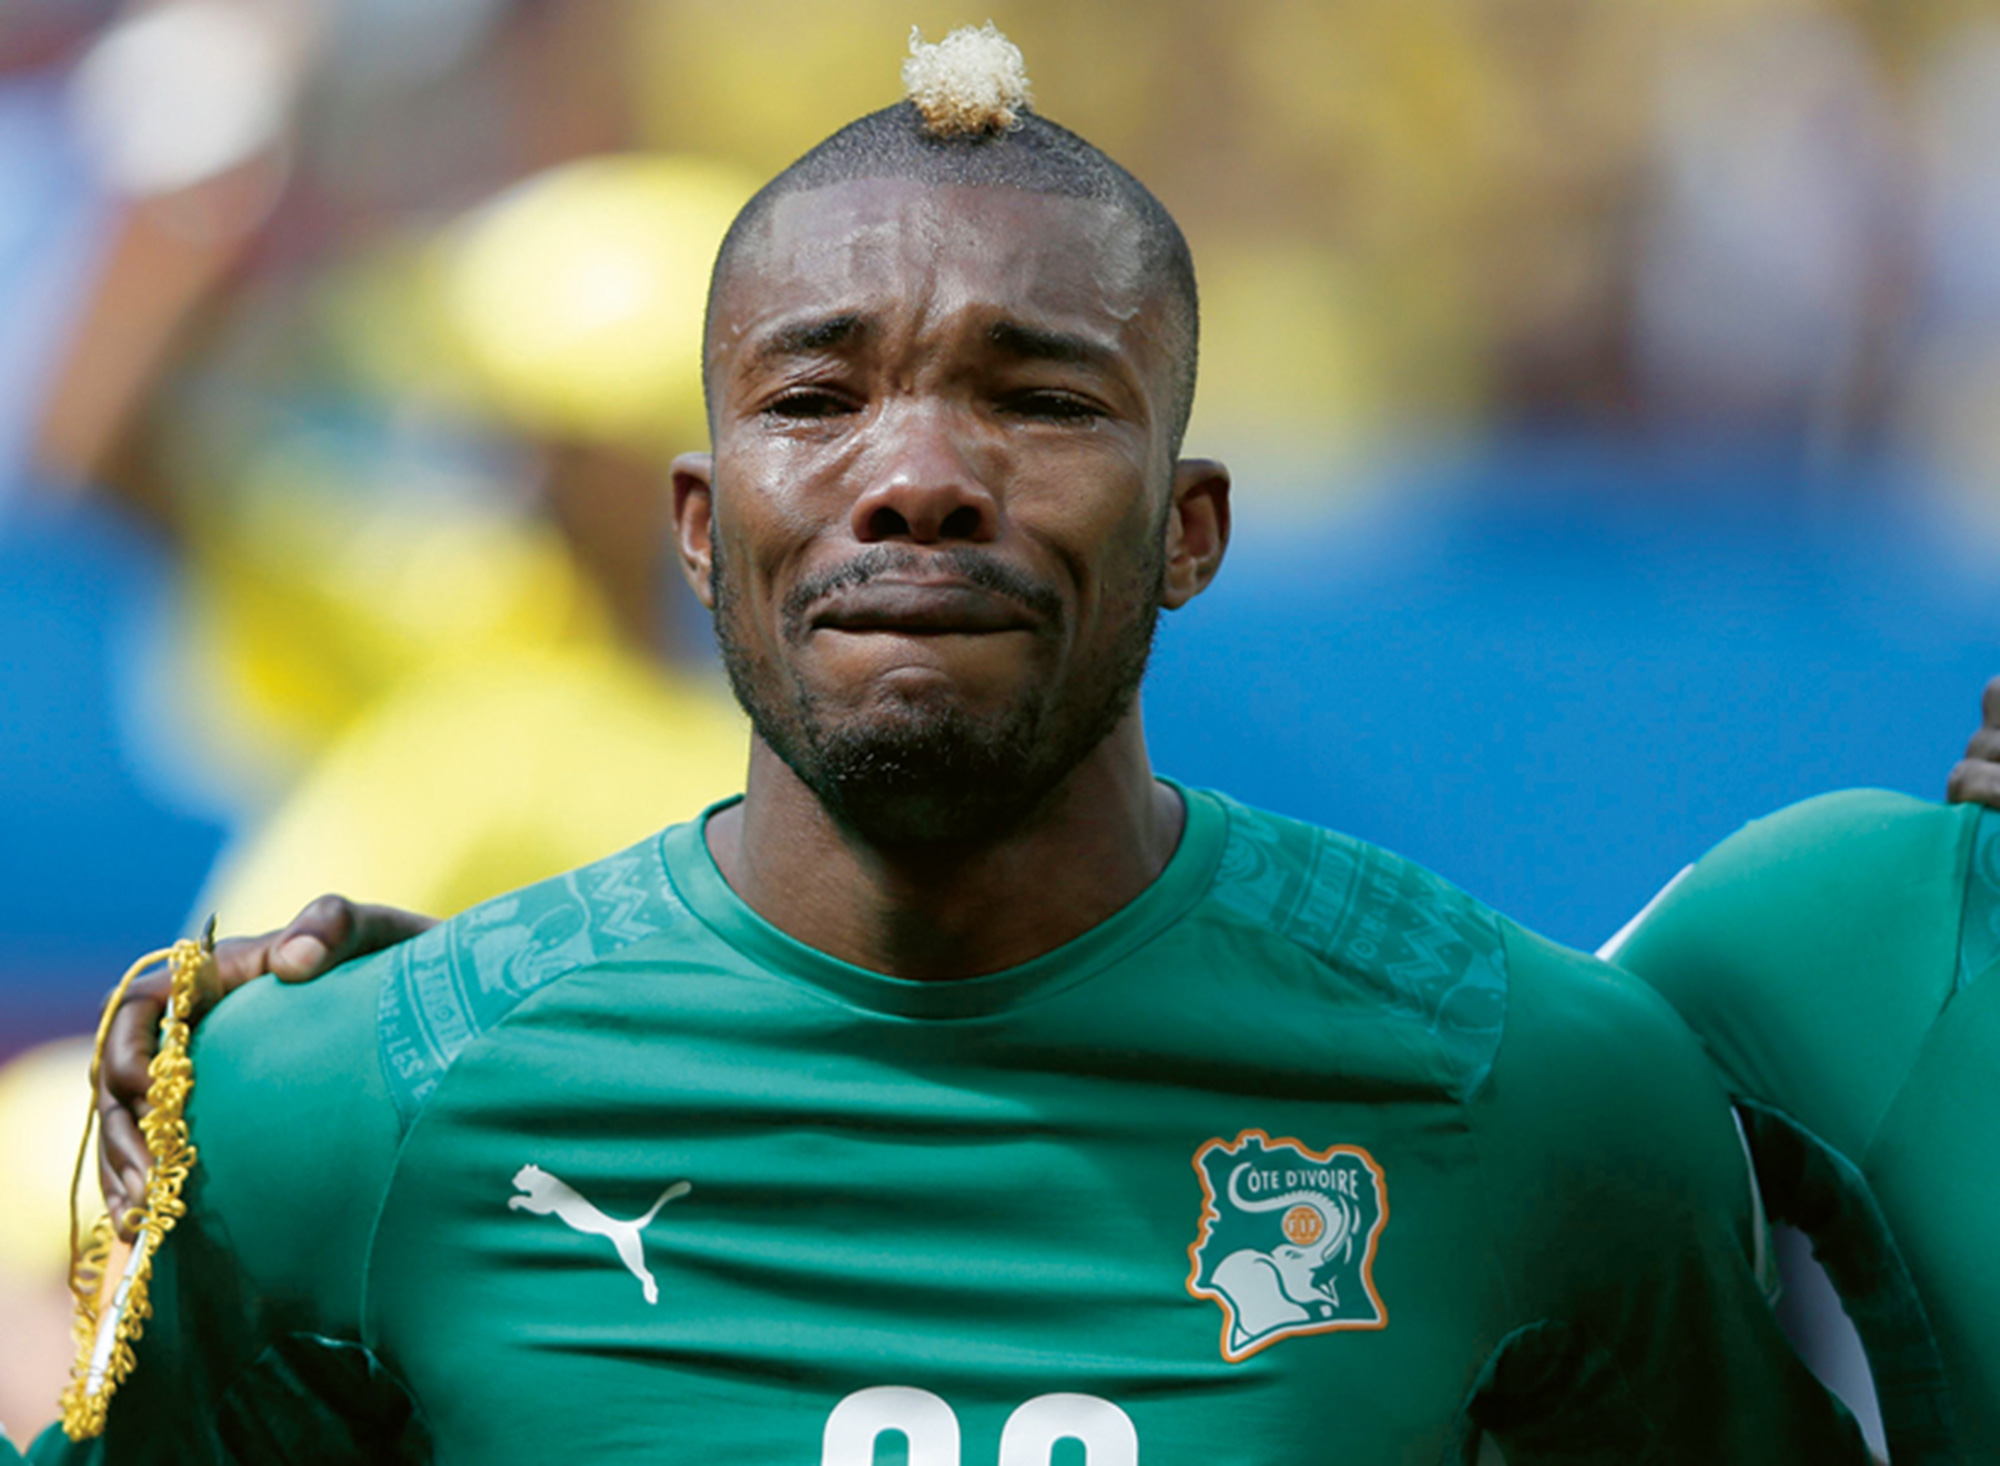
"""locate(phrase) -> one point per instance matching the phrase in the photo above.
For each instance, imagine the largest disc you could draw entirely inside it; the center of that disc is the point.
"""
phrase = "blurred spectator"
(1953, 393)
(1770, 234)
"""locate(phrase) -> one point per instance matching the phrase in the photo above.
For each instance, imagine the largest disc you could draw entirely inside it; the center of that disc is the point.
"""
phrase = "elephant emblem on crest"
(1288, 1239)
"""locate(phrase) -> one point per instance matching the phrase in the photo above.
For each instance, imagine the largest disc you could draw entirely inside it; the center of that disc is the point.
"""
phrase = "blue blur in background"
(1559, 672)
(94, 867)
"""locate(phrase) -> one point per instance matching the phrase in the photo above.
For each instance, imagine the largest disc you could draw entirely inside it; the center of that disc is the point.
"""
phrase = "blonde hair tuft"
(973, 81)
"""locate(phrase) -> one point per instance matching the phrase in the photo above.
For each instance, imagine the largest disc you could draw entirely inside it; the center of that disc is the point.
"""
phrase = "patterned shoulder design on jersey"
(1433, 956)
(455, 982)
(1979, 925)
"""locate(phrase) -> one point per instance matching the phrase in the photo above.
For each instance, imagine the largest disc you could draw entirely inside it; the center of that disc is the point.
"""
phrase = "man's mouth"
(895, 590)
(920, 608)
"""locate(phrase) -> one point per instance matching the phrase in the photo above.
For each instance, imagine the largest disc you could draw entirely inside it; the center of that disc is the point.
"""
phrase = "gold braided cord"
(107, 1327)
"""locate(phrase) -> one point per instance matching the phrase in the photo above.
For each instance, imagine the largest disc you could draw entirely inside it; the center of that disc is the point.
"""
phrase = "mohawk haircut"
(1019, 149)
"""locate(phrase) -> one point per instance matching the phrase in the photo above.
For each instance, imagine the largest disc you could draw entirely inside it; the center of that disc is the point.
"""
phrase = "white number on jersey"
(864, 1416)
(930, 1426)
(1029, 1438)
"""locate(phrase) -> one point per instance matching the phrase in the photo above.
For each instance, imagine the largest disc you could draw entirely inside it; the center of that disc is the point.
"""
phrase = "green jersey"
(1842, 961)
(1303, 1156)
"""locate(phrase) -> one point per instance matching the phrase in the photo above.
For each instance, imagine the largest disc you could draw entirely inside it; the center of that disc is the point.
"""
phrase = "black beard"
(933, 775)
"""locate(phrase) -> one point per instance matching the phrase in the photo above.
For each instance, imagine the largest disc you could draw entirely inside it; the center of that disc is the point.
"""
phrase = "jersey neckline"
(1182, 883)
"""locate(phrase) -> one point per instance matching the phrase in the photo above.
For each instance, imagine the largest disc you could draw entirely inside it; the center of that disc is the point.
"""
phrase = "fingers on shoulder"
(1989, 703)
(1976, 778)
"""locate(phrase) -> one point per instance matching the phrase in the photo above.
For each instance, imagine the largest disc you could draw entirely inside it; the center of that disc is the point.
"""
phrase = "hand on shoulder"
(326, 932)
(1976, 779)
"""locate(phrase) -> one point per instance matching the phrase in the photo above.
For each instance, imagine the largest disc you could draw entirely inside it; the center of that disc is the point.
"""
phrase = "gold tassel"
(107, 1326)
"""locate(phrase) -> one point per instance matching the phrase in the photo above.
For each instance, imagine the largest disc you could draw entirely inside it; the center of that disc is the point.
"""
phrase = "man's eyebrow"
(1035, 343)
(804, 338)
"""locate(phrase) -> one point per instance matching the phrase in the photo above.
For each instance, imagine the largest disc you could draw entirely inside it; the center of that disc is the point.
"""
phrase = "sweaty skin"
(944, 370)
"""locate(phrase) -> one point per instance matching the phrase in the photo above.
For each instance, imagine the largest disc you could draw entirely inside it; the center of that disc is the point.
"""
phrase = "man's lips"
(921, 608)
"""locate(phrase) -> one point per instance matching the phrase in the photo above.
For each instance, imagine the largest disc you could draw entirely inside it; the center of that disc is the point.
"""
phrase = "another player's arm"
(1813, 951)
(1622, 1206)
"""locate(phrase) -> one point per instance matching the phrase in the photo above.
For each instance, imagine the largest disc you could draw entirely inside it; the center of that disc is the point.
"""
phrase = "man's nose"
(928, 487)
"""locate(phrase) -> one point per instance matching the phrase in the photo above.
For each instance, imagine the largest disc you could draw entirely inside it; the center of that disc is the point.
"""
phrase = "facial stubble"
(932, 772)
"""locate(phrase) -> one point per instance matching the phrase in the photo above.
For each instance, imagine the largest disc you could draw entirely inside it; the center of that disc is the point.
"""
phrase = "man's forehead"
(856, 244)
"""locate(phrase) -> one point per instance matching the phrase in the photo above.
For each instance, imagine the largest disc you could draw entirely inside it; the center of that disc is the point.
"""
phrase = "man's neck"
(937, 913)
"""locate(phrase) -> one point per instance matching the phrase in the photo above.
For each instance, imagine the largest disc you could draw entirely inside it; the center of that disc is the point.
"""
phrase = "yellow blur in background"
(43, 1097)
(579, 294)
(485, 776)
(491, 727)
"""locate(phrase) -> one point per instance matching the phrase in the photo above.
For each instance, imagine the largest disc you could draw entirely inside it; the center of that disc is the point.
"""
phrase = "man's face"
(935, 530)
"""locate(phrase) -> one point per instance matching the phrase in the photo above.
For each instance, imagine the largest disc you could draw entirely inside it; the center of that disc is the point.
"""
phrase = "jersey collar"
(1178, 887)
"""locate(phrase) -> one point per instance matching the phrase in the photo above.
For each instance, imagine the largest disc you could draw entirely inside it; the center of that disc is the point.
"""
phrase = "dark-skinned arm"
(326, 933)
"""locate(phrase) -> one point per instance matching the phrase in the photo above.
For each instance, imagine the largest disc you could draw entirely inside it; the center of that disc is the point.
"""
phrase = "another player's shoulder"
(444, 990)
(1863, 878)
(1853, 837)
(1814, 949)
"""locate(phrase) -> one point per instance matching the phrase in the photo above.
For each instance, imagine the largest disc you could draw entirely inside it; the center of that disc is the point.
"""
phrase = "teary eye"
(1048, 405)
(807, 403)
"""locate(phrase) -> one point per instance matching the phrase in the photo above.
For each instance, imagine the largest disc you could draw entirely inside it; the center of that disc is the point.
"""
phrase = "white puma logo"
(546, 1195)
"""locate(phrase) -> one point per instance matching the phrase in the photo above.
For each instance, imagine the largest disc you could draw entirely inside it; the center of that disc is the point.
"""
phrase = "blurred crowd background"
(1613, 391)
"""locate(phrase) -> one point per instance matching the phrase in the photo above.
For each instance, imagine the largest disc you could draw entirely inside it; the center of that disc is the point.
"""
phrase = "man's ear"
(694, 522)
(1197, 531)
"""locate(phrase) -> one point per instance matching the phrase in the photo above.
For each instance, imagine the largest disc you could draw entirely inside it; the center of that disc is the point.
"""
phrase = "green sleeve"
(1812, 951)
(254, 1351)
(1832, 958)
(1621, 1202)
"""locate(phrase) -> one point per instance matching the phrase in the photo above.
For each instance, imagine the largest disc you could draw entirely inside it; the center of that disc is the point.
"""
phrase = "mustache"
(975, 567)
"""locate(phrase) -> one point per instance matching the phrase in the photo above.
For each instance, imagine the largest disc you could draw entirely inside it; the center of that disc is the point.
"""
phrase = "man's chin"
(922, 776)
